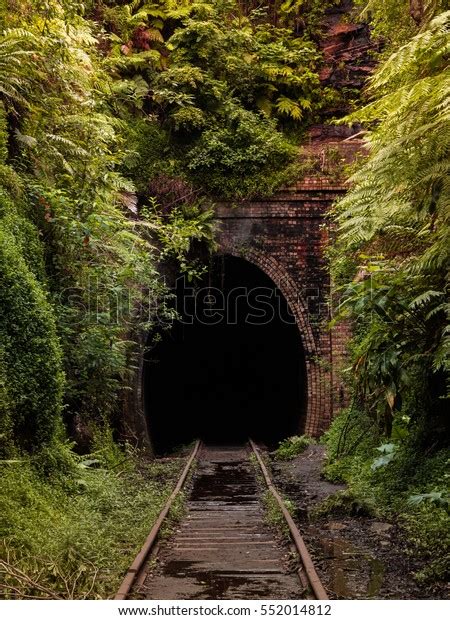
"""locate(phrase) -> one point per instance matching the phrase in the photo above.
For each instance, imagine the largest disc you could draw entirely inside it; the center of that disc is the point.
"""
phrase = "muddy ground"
(356, 557)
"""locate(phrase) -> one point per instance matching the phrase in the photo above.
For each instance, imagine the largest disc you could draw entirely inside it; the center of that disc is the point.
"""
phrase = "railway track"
(222, 548)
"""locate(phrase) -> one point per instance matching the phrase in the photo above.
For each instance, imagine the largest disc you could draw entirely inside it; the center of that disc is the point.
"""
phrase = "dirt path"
(222, 549)
(357, 557)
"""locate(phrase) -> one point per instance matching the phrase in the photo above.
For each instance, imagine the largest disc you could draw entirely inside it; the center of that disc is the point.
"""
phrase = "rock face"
(348, 51)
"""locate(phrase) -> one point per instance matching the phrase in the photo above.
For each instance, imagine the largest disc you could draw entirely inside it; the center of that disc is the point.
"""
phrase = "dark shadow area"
(233, 367)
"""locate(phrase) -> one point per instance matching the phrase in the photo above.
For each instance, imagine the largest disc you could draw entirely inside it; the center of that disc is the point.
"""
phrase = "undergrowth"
(291, 447)
(75, 536)
(394, 480)
(274, 517)
(273, 514)
(343, 502)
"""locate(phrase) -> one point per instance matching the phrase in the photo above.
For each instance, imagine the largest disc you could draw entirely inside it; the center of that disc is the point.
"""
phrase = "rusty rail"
(143, 554)
(307, 563)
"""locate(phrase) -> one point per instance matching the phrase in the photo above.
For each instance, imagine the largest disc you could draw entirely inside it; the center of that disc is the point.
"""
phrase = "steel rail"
(139, 560)
(308, 565)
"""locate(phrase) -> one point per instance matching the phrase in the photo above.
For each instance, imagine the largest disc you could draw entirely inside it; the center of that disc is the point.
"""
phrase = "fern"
(398, 206)
(17, 50)
(288, 107)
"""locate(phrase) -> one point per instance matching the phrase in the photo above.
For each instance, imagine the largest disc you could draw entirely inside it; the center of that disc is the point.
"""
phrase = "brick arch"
(284, 235)
(277, 273)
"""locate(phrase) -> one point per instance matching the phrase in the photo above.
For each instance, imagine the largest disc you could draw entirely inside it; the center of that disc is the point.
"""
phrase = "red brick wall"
(286, 237)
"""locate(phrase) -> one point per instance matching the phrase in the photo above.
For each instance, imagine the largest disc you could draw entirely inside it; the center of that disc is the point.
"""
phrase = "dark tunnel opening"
(231, 368)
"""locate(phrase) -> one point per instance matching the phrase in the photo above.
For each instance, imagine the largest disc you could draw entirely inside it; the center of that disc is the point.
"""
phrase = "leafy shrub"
(352, 435)
(291, 447)
(245, 157)
(104, 449)
(428, 527)
(31, 353)
(56, 463)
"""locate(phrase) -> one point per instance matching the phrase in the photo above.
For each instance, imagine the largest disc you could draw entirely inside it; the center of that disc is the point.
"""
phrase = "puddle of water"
(217, 584)
(231, 482)
(354, 573)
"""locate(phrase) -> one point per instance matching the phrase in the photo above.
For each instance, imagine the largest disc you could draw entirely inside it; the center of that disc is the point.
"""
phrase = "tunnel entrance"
(231, 367)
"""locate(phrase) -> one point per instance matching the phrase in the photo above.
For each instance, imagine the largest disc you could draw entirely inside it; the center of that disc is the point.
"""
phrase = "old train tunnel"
(231, 367)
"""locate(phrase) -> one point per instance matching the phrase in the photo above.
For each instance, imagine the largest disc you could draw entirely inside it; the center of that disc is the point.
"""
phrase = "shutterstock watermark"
(187, 304)
(252, 306)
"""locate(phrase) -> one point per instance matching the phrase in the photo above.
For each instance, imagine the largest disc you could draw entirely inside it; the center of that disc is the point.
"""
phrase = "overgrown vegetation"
(75, 535)
(390, 264)
(392, 479)
(274, 515)
(117, 121)
(226, 89)
(79, 271)
(120, 123)
(291, 447)
(395, 22)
